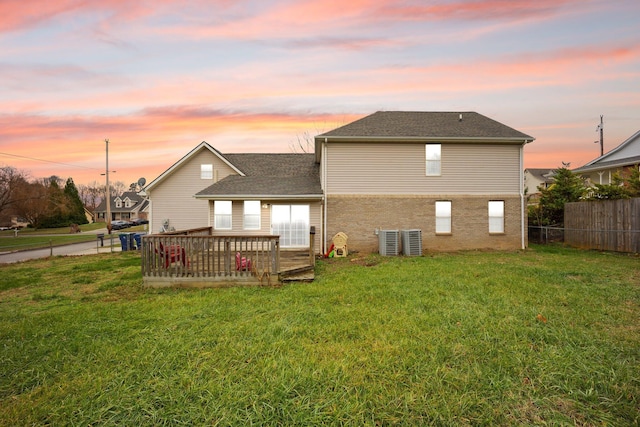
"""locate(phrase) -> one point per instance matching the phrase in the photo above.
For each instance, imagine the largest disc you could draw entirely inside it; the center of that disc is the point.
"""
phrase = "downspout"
(522, 204)
(150, 215)
(323, 158)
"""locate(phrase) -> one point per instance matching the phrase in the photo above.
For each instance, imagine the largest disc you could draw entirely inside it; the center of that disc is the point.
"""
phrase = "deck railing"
(198, 256)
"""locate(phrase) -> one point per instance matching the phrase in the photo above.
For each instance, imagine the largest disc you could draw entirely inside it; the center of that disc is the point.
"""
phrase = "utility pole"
(108, 192)
(601, 129)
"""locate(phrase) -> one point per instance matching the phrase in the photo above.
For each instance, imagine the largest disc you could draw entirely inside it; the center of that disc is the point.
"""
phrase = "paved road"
(84, 248)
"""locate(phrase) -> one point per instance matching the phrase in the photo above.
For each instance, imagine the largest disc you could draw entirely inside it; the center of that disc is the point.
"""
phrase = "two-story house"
(457, 177)
(127, 207)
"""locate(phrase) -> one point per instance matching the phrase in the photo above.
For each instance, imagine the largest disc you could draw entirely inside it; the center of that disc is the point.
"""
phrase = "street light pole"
(601, 129)
(108, 219)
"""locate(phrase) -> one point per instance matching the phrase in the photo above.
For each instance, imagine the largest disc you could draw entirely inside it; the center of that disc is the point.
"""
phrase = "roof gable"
(541, 174)
(625, 154)
(202, 146)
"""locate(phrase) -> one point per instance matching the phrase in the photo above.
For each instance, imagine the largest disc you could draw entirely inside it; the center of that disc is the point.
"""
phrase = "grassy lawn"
(548, 336)
(29, 238)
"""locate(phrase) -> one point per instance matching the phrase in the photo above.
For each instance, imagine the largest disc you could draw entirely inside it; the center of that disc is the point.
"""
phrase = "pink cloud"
(567, 67)
(148, 142)
(475, 10)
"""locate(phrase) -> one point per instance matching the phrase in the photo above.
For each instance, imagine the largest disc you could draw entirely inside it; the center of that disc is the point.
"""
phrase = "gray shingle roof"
(135, 198)
(414, 124)
(542, 174)
(269, 175)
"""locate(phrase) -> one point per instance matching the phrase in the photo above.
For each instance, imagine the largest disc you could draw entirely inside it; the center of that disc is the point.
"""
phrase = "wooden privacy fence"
(199, 259)
(610, 225)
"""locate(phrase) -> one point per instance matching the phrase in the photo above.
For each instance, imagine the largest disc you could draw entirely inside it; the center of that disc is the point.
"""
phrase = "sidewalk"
(100, 249)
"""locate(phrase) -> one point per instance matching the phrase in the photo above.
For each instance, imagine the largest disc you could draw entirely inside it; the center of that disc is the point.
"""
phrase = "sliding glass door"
(291, 223)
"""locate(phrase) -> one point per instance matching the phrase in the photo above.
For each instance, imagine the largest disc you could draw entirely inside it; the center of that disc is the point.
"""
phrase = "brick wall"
(358, 216)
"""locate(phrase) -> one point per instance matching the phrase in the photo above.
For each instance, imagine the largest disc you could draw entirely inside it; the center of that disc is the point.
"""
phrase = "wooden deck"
(198, 259)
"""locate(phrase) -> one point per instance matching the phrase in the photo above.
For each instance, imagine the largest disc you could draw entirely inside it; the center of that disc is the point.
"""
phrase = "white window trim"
(493, 218)
(433, 160)
(246, 215)
(206, 171)
(220, 217)
(443, 217)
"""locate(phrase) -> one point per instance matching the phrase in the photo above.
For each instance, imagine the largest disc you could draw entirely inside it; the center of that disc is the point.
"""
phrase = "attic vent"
(460, 117)
(389, 242)
(412, 242)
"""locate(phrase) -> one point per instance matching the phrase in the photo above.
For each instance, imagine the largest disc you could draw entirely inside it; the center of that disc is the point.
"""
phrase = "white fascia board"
(456, 140)
(186, 157)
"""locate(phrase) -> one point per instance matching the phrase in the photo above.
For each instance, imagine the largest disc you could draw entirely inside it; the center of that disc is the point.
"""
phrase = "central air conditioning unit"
(389, 241)
(412, 242)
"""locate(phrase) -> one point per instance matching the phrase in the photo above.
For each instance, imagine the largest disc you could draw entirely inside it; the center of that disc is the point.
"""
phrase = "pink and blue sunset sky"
(157, 77)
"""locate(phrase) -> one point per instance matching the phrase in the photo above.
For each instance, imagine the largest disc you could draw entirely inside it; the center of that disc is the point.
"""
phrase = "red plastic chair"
(242, 263)
(171, 254)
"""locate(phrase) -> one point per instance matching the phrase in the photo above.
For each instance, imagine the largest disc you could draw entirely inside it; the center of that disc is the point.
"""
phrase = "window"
(222, 214)
(206, 171)
(118, 203)
(496, 216)
(443, 217)
(252, 215)
(433, 159)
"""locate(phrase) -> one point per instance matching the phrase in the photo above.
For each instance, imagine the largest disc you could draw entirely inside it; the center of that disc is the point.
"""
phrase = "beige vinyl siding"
(315, 219)
(173, 198)
(397, 168)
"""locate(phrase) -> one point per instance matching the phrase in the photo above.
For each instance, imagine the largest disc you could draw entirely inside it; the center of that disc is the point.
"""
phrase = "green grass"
(29, 238)
(547, 336)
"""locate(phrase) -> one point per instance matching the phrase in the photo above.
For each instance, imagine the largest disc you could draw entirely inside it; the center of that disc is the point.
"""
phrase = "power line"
(48, 161)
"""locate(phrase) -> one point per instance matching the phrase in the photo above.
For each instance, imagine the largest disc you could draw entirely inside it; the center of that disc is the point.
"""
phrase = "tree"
(303, 144)
(10, 181)
(76, 208)
(633, 182)
(117, 188)
(614, 191)
(57, 208)
(32, 202)
(90, 194)
(566, 187)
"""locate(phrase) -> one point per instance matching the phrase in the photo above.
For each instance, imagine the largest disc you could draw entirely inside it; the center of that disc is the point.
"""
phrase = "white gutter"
(470, 139)
(258, 197)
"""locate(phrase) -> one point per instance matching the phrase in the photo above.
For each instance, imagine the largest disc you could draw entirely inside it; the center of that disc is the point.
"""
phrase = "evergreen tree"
(567, 187)
(76, 208)
(633, 182)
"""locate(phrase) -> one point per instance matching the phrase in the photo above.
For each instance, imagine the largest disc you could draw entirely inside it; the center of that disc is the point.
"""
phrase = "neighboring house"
(534, 179)
(457, 177)
(128, 206)
(248, 194)
(89, 215)
(621, 159)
